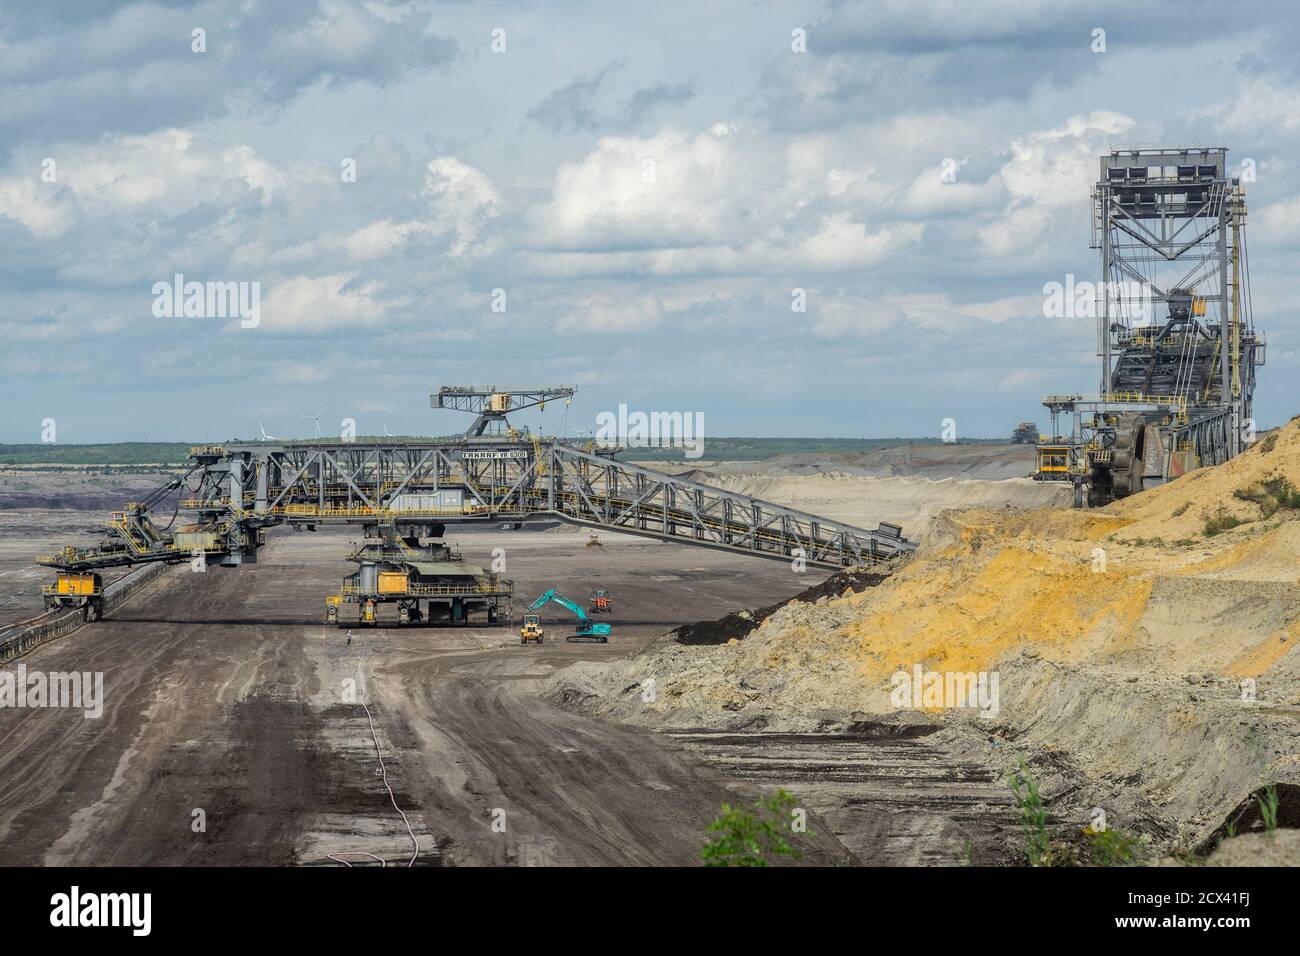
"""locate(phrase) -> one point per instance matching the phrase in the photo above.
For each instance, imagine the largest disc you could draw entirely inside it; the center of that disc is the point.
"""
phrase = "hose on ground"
(383, 770)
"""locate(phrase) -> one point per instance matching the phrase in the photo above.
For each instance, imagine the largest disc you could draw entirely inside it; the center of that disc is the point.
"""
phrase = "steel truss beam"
(240, 489)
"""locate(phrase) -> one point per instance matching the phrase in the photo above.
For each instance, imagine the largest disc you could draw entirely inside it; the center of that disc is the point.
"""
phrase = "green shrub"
(1272, 494)
(1222, 520)
(1109, 847)
(753, 837)
(1033, 815)
(1268, 807)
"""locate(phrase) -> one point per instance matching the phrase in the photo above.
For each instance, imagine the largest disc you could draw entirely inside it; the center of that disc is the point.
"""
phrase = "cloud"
(134, 69)
(381, 239)
(574, 107)
(841, 243)
(1048, 170)
(289, 372)
(662, 191)
(160, 174)
(855, 318)
(675, 194)
(601, 314)
(571, 107)
(647, 100)
(44, 210)
(941, 312)
(1279, 222)
(939, 191)
(726, 200)
(320, 303)
(1259, 104)
(463, 202)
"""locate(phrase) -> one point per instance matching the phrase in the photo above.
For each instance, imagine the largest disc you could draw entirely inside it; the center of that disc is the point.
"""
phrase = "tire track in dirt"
(222, 695)
(123, 789)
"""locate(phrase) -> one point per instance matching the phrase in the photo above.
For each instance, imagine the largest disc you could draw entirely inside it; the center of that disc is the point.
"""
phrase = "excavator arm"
(554, 597)
(586, 629)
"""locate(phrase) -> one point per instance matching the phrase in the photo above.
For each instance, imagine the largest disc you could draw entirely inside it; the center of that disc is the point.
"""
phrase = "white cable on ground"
(384, 772)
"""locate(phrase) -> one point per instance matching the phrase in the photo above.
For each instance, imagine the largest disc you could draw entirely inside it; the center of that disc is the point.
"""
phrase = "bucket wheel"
(1129, 462)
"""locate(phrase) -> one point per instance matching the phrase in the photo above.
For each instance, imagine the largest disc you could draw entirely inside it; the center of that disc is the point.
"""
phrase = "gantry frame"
(240, 489)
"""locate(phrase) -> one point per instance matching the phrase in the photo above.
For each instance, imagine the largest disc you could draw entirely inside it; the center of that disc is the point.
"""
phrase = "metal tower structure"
(491, 404)
(1175, 331)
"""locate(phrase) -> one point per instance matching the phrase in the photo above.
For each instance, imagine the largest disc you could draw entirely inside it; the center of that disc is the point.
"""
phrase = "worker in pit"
(349, 637)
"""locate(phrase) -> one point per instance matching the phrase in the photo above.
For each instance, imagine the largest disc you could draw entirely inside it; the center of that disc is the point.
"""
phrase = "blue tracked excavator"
(588, 630)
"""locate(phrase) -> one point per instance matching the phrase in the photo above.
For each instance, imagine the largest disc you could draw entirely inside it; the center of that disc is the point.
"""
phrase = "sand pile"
(1121, 637)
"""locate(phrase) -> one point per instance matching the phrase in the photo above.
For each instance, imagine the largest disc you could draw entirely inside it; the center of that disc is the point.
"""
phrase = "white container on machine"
(445, 499)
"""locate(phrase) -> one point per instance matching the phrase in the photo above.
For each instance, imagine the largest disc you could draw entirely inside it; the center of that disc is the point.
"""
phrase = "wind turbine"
(387, 433)
(314, 419)
(265, 436)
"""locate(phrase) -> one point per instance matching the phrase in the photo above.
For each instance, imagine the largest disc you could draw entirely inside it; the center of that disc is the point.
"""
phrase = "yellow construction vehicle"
(332, 603)
(1053, 463)
(75, 589)
(587, 629)
(532, 629)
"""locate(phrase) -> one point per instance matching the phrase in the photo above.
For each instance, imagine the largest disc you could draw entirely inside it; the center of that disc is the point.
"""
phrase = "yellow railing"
(1139, 398)
(1178, 402)
(205, 503)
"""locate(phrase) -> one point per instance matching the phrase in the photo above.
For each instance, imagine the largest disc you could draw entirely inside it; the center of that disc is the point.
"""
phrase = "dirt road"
(235, 729)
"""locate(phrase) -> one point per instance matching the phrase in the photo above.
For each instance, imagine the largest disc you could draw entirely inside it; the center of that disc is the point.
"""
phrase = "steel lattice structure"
(1175, 331)
(237, 490)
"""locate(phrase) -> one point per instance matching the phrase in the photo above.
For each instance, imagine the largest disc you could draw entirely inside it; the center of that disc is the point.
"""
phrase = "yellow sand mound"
(1139, 581)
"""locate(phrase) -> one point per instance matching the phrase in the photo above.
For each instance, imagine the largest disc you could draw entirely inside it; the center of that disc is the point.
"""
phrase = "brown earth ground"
(227, 701)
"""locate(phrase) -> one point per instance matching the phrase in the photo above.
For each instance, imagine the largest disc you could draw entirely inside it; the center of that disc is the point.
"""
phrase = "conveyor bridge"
(231, 493)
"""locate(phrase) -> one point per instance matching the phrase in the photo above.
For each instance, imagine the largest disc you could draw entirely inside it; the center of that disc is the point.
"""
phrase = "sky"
(793, 218)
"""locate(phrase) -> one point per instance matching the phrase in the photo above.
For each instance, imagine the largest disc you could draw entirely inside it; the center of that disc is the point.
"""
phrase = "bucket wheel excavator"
(1176, 389)
(1119, 471)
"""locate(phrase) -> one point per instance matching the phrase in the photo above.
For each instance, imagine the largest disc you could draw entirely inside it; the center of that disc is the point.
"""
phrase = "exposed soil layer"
(1247, 817)
(736, 625)
(934, 460)
(1279, 848)
(888, 794)
(1153, 643)
(78, 491)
